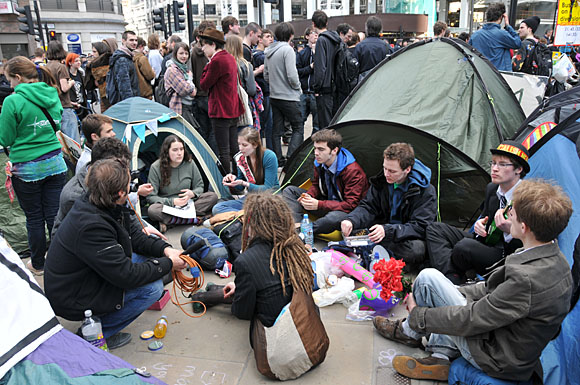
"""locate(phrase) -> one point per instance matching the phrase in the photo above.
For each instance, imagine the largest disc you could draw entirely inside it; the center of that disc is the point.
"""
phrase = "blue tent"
(551, 133)
(143, 124)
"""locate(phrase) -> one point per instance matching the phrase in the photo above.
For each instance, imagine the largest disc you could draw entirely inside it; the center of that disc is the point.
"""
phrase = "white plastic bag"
(341, 292)
(563, 69)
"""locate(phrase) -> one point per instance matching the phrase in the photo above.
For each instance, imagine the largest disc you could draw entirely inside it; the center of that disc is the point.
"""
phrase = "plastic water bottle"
(376, 258)
(160, 327)
(306, 230)
(92, 331)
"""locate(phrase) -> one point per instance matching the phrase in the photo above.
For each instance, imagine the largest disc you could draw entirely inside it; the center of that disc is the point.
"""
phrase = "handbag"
(296, 342)
(246, 118)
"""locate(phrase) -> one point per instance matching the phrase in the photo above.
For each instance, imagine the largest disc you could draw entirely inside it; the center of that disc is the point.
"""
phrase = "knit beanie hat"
(532, 22)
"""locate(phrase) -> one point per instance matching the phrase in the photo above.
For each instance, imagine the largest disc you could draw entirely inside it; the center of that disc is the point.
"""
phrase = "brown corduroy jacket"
(145, 74)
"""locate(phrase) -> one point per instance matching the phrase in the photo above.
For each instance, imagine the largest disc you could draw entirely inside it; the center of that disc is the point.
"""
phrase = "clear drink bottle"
(306, 230)
(92, 331)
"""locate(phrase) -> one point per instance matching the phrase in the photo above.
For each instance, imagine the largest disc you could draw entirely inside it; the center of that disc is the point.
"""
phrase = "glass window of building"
(195, 9)
(99, 5)
(68, 5)
(243, 8)
(210, 9)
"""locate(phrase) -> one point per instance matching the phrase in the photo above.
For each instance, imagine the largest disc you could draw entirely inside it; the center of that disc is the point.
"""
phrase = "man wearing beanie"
(523, 60)
(493, 41)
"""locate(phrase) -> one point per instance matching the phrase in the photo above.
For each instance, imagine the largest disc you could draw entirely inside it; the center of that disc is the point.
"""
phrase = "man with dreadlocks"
(274, 261)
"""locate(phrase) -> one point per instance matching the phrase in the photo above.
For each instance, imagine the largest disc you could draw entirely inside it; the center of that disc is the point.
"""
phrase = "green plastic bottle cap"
(147, 335)
(155, 345)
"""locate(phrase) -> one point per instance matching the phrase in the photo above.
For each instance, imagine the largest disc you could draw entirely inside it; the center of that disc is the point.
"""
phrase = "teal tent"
(445, 99)
(143, 124)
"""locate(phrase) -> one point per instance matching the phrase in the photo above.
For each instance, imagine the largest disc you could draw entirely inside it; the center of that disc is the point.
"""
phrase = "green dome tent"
(446, 100)
(143, 124)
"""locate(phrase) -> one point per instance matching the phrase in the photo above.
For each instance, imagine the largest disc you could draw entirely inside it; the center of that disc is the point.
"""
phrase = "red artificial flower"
(389, 274)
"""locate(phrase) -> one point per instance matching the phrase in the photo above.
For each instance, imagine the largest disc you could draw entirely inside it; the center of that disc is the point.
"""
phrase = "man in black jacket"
(398, 206)
(305, 66)
(456, 253)
(97, 261)
(323, 85)
(372, 50)
(122, 80)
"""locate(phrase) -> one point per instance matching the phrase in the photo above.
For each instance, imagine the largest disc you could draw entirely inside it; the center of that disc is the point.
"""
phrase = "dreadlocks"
(267, 217)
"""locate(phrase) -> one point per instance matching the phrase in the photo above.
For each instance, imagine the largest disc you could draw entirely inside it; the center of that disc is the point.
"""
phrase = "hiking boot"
(212, 286)
(211, 298)
(33, 270)
(393, 330)
(428, 368)
(118, 340)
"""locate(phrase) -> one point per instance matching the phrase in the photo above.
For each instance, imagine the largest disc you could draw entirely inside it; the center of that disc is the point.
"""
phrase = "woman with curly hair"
(176, 179)
(274, 261)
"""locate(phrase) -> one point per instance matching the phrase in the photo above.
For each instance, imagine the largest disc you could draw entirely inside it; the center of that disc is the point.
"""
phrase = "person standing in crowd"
(155, 58)
(96, 75)
(257, 170)
(493, 42)
(338, 185)
(258, 58)
(305, 67)
(230, 26)
(345, 31)
(77, 93)
(245, 69)
(122, 80)
(440, 29)
(464, 36)
(173, 39)
(29, 119)
(372, 50)
(56, 55)
(280, 71)
(179, 84)
(326, 47)
(98, 261)
(220, 79)
(176, 180)
(39, 57)
(398, 207)
(145, 72)
(200, 102)
(522, 60)
(252, 35)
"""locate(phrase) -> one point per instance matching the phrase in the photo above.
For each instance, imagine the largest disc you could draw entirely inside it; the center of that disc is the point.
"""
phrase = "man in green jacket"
(500, 326)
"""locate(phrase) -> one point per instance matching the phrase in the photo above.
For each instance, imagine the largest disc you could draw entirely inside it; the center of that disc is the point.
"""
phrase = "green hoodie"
(24, 127)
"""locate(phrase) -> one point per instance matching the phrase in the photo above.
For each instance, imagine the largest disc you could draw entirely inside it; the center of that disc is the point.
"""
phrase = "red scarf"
(244, 167)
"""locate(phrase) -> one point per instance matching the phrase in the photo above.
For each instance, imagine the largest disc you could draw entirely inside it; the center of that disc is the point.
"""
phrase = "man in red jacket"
(220, 79)
(338, 185)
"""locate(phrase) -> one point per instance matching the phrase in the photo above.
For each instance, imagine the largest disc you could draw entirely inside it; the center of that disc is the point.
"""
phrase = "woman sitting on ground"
(257, 170)
(273, 264)
(176, 179)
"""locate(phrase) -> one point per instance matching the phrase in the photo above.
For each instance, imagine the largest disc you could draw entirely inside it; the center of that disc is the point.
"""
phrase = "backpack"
(539, 61)
(111, 87)
(205, 247)
(161, 95)
(231, 234)
(346, 69)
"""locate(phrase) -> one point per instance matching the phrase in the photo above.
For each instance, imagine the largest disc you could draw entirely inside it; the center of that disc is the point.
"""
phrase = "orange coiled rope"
(187, 285)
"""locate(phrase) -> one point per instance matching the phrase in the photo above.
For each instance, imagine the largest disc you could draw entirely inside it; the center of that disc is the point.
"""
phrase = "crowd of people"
(240, 92)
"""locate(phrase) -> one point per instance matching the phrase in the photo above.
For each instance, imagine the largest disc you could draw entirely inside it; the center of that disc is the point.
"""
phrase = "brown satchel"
(296, 343)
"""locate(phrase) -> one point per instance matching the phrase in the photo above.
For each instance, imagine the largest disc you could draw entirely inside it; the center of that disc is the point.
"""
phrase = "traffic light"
(51, 35)
(26, 20)
(178, 16)
(159, 21)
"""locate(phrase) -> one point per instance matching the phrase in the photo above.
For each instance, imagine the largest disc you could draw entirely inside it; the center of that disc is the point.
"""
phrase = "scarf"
(244, 167)
(182, 67)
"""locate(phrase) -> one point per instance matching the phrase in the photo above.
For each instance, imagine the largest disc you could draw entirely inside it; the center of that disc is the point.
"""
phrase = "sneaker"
(118, 340)
(393, 330)
(33, 270)
(428, 368)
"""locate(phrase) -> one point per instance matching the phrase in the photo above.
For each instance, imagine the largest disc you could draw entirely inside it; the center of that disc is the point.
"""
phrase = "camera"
(135, 174)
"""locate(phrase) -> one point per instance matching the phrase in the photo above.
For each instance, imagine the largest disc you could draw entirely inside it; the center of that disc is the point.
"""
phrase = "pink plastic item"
(351, 268)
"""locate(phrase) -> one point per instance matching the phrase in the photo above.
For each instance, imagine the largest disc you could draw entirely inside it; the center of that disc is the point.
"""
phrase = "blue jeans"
(227, 206)
(39, 200)
(266, 122)
(69, 124)
(433, 289)
(136, 301)
(307, 107)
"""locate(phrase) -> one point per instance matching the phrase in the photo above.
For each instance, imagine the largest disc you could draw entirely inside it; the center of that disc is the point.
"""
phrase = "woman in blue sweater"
(257, 170)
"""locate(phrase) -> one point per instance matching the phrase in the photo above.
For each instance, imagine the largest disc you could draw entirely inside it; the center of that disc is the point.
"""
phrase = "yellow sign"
(568, 12)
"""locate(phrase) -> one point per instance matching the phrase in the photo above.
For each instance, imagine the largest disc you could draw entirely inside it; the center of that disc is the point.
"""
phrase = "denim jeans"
(433, 289)
(227, 206)
(69, 124)
(307, 107)
(266, 122)
(136, 301)
(39, 200)
(286, 110)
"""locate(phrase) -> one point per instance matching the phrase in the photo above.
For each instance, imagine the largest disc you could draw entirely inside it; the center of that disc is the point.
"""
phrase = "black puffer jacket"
(89, 265)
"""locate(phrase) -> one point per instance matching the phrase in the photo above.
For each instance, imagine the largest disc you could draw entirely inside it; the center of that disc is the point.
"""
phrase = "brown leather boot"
(428, 368)
(393, 330)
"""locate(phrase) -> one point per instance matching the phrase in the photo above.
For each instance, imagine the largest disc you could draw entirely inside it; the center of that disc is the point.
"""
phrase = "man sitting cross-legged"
(338, 185)
(500, 326)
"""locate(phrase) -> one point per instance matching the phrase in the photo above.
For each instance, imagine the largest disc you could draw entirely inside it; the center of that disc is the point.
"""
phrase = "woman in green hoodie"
(37, 166)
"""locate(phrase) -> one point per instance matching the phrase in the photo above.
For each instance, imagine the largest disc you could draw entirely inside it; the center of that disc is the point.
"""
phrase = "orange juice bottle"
(160, 327)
